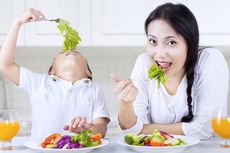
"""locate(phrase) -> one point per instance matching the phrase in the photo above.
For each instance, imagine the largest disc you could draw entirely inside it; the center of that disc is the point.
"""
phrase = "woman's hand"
(30, 15)
(125, 90)
(126, 93)
(78, 124)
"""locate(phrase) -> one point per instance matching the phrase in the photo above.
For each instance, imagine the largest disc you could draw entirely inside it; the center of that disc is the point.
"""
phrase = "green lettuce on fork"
(156, 72)
(71, 36)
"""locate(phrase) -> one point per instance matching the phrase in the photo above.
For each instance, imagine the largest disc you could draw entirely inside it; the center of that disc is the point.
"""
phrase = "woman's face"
(166, 48)
(70, 66)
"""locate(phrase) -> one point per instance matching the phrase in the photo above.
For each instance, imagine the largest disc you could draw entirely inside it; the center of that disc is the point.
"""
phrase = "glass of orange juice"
(9, 127)
(221, 126)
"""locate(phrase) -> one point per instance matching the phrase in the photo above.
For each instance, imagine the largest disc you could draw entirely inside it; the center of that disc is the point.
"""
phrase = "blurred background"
(112, 33)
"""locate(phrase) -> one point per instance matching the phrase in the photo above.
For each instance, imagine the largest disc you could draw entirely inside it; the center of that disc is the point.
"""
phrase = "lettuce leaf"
(156, 72)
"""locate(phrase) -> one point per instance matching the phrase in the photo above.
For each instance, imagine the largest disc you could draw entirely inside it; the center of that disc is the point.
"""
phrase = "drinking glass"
(221, 126)
(9, 127)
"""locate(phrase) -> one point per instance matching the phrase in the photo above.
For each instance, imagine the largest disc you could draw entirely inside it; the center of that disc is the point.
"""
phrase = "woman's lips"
(164, 65)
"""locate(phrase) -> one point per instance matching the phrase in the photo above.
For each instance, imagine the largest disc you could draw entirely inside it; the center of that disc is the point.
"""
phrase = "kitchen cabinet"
(45, 33)
(213, 18)
(77, 12)
(111, 22)
(9, 10)
(121, 22)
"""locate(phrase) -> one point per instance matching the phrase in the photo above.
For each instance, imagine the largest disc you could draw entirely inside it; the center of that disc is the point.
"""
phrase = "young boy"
(65, 94)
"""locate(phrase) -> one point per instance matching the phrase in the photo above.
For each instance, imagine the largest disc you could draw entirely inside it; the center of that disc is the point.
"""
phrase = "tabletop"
(210, 146)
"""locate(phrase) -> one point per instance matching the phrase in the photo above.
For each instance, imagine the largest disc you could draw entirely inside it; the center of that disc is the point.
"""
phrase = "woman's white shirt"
(55, 102)
(209, 91)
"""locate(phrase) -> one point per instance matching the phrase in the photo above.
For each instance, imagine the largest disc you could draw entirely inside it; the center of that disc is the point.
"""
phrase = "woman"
(197, 79)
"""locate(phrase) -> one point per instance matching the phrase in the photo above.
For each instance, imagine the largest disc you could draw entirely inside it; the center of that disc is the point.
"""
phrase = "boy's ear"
(89, 73)
(51, 71)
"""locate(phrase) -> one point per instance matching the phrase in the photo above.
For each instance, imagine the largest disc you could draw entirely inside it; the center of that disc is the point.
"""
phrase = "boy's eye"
(152, 41)
(171, 42)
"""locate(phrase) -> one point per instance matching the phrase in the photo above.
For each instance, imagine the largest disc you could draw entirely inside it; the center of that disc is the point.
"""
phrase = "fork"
(53, 20)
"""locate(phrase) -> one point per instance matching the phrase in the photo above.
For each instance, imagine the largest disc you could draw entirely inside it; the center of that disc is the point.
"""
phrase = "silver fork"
(53, 20)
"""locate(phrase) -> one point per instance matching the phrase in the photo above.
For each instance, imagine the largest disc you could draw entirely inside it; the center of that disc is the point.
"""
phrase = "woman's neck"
(173, 83)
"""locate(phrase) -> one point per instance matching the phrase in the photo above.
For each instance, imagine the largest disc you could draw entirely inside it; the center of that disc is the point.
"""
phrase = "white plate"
(35, 144)
(167, 149)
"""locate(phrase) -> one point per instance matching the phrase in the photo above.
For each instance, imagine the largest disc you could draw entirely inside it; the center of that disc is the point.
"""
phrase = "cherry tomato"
(52, 139)
(96, 137)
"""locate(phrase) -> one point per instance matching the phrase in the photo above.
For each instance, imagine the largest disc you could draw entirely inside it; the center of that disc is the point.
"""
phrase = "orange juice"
(222, 127)
(8, 130)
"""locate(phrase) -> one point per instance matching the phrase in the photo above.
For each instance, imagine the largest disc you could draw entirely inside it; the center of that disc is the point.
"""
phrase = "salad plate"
(190, 141)
(36, 145)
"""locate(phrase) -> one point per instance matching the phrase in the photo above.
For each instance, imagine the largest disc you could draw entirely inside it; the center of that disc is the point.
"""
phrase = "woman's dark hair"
(182, 20)
(50, 69)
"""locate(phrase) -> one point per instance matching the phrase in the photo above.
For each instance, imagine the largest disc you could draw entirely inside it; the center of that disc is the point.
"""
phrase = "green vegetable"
(134, 139)
(84, 138)
(157, 136)
(157, 73)
(181, 142)
(71, 36)
(51, 145)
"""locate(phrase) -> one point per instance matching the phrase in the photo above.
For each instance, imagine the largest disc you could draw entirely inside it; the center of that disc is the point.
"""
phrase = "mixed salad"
(157, 139)
(83, 139)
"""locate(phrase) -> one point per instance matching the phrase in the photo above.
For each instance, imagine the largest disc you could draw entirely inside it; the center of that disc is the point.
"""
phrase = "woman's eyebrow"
(170, 37)
(152, 36)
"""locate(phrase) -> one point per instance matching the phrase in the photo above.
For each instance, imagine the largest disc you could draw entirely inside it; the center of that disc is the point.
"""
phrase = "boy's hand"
(78, 124)
(30, 15)
(125, 90)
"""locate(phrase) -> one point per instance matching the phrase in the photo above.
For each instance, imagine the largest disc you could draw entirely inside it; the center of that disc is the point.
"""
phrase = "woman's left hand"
(78, 124)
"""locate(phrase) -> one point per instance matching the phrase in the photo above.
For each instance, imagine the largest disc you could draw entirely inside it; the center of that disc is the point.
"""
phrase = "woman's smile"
(164, 65)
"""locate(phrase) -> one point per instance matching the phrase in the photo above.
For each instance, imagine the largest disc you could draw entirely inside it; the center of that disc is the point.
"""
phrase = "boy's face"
(70, 66)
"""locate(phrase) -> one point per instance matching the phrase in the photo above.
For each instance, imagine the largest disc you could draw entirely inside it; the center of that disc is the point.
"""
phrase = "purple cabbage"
(163, 132)
(66, 141)
(63, 141)
(147, 144)
(72, 145)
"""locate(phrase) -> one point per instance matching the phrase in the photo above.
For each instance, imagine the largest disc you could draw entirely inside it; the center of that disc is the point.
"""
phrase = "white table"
(209, 146)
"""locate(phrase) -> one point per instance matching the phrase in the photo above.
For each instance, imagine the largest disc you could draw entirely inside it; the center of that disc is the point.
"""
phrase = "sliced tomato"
(52, 139)
(96, 137)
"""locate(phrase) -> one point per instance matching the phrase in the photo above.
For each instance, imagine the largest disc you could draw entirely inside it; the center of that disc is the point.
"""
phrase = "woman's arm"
(211, 91)
(175, 128)
(126, 93)
(7, 55)
(133, 97)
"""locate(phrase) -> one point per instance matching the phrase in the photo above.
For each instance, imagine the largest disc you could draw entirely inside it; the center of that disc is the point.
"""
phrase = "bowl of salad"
(82, 142)
(158, 141)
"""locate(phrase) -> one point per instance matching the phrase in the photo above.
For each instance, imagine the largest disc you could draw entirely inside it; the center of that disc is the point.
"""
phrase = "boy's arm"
(7, 54)
(100, 125)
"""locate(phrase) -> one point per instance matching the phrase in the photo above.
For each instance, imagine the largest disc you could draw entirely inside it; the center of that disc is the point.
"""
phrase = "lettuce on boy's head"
(156, 72)
(71, 36)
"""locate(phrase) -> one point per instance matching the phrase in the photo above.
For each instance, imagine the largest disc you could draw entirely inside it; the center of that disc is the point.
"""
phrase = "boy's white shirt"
(210, 90)
(55, 102)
